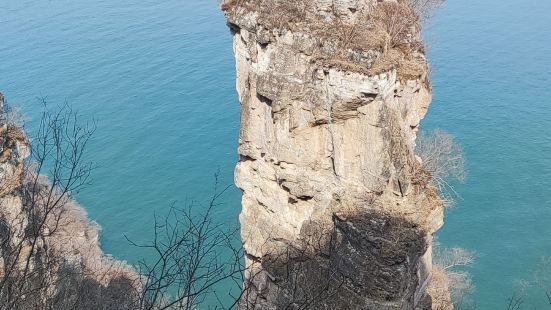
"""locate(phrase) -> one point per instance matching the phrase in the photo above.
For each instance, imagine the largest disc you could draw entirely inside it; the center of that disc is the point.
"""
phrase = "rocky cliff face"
(337, 212)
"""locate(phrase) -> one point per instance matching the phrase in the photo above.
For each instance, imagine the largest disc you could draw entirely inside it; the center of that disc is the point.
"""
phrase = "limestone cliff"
(337, 211)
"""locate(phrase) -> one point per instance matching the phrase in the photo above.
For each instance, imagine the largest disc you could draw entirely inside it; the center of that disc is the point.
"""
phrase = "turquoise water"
(159, 78)
(493, 70)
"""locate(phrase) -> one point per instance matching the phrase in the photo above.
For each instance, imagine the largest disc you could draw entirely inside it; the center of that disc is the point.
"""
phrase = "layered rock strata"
(337, 211)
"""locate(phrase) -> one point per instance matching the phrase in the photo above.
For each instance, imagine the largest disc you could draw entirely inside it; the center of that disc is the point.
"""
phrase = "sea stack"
(337, 211)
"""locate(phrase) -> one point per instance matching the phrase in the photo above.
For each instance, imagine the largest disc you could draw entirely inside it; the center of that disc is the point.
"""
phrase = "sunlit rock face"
(328, 171)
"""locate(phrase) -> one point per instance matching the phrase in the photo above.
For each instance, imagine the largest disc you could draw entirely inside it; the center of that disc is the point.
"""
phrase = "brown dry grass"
(412, 69)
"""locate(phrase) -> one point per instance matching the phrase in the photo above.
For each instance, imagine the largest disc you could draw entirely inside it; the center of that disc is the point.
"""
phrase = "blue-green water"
(493, 71)
(159, 78)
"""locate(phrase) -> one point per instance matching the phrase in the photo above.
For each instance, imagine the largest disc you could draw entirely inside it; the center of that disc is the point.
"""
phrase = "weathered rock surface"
(328, 171)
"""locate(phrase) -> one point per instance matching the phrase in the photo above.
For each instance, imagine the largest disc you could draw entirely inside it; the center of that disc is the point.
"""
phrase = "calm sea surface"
(158, 76)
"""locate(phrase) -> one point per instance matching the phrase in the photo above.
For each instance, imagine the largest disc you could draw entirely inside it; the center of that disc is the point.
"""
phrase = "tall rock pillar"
(337, 212)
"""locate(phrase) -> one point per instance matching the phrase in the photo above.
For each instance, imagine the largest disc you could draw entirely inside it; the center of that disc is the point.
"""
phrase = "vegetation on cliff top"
(370, 40)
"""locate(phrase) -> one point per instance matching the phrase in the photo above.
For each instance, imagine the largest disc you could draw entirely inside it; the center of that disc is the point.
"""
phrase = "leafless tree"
(515, 302)
(193, 256)
(538, 285)
(542, 278)
(449, 258)
(198, 263)
(451, 261)
(58, 152)
(396, 19)
(444, 159)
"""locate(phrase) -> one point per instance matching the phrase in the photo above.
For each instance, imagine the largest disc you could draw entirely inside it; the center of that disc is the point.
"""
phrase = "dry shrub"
(407, 67)
(411, 69)
(444, 159)
(398, 20)
(461, 290)
(386, 62)
(438, 290)
(453, 257)
(450, 262)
